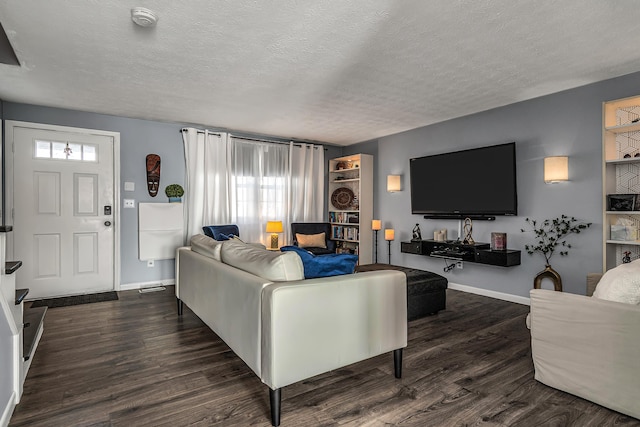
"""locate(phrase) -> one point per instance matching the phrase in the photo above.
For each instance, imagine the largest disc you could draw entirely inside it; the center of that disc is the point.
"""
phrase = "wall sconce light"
(393, 183)
(274, 227)
(556, 169)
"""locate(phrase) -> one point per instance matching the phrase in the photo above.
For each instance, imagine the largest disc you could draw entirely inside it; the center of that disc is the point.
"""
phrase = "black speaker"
(411, 247)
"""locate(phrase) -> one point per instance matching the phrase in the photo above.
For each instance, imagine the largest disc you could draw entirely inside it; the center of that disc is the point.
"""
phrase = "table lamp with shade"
(274, 227)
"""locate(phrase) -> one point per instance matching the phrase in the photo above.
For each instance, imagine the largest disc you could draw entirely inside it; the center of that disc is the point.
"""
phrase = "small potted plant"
(174, 192)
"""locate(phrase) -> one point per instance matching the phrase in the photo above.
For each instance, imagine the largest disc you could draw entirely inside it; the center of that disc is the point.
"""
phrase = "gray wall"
(137, 139)
(565, 123)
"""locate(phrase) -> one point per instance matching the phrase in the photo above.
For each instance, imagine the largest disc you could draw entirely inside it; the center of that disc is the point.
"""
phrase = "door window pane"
(66, 151)
(43, 149)
(89, 153)
(76, 152)
(58, 150)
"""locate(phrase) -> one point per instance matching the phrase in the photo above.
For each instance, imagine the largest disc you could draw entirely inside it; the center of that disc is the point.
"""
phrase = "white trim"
(492, 294)
(140, 285)
(8, 155)
(26, 365)
(8, 410)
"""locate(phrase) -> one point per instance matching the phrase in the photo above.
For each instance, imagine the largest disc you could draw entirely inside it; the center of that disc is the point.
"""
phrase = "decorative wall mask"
(153, 174)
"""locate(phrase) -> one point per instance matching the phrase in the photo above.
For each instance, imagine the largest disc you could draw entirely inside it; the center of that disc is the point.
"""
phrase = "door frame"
(10, 125)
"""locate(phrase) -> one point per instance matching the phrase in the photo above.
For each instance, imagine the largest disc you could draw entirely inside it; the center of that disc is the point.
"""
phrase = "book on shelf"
(345, 232)
(344, 217)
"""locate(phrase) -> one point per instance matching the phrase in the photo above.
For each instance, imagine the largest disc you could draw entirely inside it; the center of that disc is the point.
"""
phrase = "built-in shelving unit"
(621, 175)
(351, 204)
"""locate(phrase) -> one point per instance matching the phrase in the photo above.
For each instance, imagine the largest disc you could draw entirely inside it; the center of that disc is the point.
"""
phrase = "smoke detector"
(144, 17)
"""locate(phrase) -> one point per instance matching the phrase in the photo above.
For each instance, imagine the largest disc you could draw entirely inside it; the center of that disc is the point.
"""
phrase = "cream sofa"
(587, 346)
(286, 328)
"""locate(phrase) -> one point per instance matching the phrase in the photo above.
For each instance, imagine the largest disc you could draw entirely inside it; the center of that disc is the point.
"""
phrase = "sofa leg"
(274, 399)
(180, 305)
(397, 362)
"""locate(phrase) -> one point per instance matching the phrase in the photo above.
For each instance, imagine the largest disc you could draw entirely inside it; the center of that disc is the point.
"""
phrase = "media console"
(480, 253)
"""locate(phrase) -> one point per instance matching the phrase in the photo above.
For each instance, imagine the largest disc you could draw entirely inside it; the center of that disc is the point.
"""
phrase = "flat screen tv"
(478, 183)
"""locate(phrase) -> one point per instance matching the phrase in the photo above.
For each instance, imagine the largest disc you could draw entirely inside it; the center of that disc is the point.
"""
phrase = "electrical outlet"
(459, 265)
(150, 263)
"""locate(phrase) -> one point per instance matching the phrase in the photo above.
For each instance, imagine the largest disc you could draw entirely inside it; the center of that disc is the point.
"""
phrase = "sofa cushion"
(324, 265)
(271, 265)
(311, 240)
(206, 246)
(621, 284)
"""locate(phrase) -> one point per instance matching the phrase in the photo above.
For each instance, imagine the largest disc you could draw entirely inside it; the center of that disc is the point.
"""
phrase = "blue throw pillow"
(221, 232)
(324, 265)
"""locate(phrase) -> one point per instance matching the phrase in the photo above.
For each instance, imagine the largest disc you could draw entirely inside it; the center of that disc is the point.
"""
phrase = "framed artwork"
(621, 202)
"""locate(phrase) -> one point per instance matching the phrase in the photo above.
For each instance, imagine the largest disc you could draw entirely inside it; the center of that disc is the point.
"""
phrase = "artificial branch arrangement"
(551, 233)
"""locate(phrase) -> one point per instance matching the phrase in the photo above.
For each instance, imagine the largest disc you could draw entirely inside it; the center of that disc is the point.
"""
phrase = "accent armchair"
(313, 244)
(587, 346)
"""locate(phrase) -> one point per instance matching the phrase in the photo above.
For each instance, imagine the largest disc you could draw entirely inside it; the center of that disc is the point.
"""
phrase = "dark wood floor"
(133, 362)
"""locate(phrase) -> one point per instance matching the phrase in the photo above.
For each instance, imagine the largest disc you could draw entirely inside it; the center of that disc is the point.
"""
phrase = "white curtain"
(207, 157)
(306, 198)
(259, 182)
(235, 180)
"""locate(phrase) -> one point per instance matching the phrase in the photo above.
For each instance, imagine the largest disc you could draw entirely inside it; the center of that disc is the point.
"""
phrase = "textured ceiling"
(335, 71)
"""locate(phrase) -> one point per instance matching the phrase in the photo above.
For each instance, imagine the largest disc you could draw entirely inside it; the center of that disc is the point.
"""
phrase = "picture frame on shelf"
(621, 202)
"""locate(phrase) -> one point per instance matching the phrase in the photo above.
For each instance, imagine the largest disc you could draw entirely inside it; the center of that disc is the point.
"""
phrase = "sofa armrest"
(226, 298)
(316, 325)
(587, 347)
(177, 266)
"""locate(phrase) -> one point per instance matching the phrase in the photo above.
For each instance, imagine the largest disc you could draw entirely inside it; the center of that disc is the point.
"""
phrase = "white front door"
(64, 213)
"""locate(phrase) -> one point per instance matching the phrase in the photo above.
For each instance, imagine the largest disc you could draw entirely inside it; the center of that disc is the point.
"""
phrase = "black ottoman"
(426, 291)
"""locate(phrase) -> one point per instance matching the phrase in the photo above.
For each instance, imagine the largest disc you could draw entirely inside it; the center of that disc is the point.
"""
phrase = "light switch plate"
(129, 203)
(129, 186)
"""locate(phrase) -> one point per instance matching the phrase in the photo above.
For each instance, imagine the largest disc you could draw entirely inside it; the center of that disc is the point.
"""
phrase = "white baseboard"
(491, 294)
(140, 285)
(8, 410)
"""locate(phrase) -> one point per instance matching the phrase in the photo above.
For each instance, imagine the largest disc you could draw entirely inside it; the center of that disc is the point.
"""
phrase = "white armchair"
(588, 347)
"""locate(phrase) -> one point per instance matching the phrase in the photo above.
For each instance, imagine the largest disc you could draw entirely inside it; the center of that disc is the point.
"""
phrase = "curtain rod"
(254, 139)
(200, 131)
(271, 141)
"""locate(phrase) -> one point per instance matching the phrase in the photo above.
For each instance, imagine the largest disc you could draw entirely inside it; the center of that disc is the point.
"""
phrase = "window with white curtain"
(263, 181)
(259, 184)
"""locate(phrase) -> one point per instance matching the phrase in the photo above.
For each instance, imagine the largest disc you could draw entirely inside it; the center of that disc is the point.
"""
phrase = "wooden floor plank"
(135, 362)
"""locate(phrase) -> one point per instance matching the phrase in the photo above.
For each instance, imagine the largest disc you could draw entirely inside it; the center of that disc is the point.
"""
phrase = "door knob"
(107, 223)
